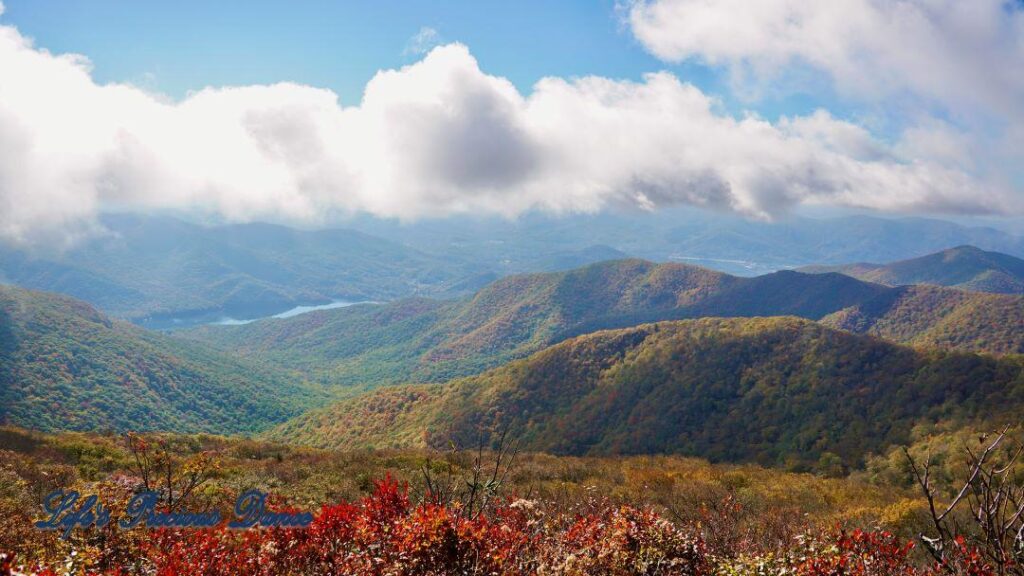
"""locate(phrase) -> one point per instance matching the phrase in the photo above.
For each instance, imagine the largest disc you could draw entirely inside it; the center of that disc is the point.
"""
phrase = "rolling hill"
(422, 340)
(778, 391)
(65, 366)
(964, 267)
(929, 316)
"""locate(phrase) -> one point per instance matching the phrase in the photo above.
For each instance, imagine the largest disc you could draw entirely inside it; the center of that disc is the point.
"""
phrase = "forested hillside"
(425, 340)
(65, 366)
(964, 267)
(929, 316)
(777, 391)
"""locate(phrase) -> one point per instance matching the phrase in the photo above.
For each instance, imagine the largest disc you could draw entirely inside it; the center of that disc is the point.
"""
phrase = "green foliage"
(777, 391)
(422, 340)
(928, 316)
(64, 366)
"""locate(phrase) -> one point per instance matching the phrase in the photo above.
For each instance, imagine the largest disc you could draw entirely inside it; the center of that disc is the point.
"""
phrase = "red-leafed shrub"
(964, 560)
(857, 553)
(626, 540)
(385, 534)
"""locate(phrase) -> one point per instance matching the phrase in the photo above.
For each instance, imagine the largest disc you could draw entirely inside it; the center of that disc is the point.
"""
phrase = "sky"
(308, 112)
(185, 46)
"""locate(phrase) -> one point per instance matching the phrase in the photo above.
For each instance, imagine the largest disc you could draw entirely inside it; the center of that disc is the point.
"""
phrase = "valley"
(425, 340)
(617, 288)
(781, 402)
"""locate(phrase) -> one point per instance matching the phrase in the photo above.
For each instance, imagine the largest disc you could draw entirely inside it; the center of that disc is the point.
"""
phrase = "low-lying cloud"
(434, 138)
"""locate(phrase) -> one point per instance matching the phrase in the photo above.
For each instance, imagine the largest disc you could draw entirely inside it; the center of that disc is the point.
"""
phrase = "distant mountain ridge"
(964, 267)
(65, 366)
(424, 340)
(159, 270)
(771, 390)
(724, 242)
(164, 272)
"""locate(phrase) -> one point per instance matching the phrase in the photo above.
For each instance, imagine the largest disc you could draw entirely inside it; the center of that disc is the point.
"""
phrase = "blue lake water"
(227, 321)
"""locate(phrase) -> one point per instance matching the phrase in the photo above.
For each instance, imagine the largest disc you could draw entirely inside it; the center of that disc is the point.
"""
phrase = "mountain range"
(723, 242)
(423, 340)
(778, 391)
(964, 267)
(622, 356)
(164, 272)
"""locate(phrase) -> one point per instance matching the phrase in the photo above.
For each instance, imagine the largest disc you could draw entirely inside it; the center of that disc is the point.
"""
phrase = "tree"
(994, 497)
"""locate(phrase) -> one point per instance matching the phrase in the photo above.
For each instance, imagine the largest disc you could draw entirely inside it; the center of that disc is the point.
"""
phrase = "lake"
(228, 321)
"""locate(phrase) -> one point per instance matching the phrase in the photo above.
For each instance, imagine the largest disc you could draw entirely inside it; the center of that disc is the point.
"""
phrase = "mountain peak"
(965, 267)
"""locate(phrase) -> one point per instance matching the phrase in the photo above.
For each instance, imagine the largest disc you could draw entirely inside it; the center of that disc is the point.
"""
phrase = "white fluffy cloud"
(434, 138)
(963, 55)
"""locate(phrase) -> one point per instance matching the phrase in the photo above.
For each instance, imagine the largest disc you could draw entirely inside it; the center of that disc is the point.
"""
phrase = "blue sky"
(175, 47)
(339, 45)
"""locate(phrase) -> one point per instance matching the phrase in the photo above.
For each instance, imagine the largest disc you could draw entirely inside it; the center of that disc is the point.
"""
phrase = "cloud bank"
(434, 138)
(947, 74)
(964, 55)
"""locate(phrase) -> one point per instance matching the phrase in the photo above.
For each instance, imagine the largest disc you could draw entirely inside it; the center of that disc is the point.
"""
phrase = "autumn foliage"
(470, 512)
(386, 534)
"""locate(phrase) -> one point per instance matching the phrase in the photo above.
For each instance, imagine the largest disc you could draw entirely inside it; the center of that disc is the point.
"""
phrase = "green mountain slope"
(939, 317)
(65, 366)
(771, 390)
(424, 340)
(964, 267)
(432, 341)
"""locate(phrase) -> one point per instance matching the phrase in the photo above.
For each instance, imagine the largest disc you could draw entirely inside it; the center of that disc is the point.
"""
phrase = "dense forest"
(423, 340)
(777, 391)
(932, 317)
(601, 420)
(65, 366)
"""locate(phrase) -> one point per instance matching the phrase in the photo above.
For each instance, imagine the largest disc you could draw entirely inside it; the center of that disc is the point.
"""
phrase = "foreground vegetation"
(466, 512)
(543, 510)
